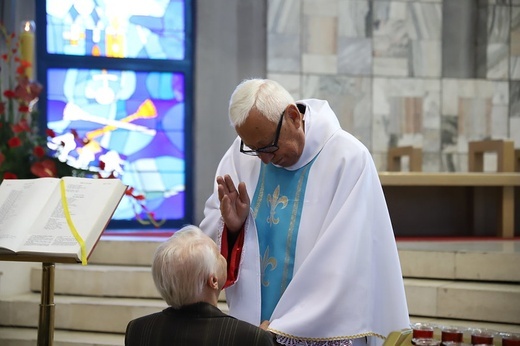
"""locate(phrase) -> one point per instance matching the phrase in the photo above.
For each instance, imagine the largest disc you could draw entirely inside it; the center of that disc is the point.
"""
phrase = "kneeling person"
(189, 273)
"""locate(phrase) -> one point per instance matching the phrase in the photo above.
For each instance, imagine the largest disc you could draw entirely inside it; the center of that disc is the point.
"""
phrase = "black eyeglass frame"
(268, 149)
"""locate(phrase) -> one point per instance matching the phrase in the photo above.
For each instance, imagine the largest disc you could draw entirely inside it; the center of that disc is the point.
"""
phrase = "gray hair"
(182, 264)
(266, 95)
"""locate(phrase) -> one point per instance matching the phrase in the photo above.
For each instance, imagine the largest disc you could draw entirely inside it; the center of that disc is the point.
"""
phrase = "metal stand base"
(46, 320)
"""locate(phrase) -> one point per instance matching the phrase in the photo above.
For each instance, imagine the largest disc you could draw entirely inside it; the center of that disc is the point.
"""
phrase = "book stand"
(47, 306)
(46, 319)
(105, 193)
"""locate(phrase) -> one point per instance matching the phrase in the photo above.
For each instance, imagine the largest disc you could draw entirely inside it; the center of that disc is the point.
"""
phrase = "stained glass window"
(117, 28)
(117, 77)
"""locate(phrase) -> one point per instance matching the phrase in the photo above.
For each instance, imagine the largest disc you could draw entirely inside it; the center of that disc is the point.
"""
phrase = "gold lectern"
(47, 307)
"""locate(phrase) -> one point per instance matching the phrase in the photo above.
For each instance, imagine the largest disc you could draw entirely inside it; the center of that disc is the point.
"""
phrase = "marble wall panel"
(426, 61)
(349, 97)
(320, 64)
(354, 56)
(498, 61)
(406, 112)
(379, 161)
(472, 110)
(474, 120)
(514, 97)
(431, 162)
(354, 38)
(390, 39)
(283, 36)
(514, 113)
(514, 59)
(320, 8)
(424, 21)
(497, 2)
(355, 18)
(379, 64)
(424, 1)
(514, 131)
(319, 37)
(407, 39)
(449, 129)
(500, 122)
(291, 82)
(390, 67)
(498, 27)
(458, 39)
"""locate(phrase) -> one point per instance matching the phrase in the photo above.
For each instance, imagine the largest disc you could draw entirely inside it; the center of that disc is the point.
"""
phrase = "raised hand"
(234, 204)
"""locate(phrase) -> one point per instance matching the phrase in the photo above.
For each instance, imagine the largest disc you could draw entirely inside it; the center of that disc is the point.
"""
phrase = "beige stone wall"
(426, 73)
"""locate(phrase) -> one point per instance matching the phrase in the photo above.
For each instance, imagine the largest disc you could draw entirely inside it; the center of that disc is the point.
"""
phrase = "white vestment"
(347, 280)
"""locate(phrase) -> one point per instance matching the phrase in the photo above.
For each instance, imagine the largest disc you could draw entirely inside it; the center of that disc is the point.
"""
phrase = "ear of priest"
(189, 273)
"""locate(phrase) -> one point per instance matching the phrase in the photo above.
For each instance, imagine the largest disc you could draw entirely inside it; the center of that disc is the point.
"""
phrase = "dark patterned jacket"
(199, 324)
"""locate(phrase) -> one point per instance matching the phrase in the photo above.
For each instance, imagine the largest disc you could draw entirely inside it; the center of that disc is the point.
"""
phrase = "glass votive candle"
(482, 337)
(452, 334)
(426, 342)
(422, 331)
(510, 339)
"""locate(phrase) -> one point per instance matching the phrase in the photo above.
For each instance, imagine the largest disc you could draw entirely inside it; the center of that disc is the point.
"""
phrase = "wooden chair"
(517, 160)
(395, 155)
(504, 149)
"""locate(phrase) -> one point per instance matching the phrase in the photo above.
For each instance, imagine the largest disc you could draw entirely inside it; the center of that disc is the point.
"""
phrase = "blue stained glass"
(134, 122)
(151, 29)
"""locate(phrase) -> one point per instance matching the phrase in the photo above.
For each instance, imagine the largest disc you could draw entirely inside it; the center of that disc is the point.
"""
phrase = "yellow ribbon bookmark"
(80, 240)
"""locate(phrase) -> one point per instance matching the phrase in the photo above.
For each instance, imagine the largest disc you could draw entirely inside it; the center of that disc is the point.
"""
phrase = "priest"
(300, 215)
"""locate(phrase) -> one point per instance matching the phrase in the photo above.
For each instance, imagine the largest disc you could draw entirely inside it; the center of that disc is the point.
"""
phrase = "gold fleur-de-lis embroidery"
(273, 201)
(266, 262)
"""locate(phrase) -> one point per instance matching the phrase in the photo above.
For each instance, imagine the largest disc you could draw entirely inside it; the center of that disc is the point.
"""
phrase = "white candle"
(27, 46)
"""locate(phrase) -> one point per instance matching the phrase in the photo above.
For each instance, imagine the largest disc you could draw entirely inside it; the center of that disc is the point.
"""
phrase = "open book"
(35, 222)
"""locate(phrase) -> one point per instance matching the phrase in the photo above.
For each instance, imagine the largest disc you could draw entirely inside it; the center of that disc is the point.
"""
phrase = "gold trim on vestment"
(260, 194)
(336, 338)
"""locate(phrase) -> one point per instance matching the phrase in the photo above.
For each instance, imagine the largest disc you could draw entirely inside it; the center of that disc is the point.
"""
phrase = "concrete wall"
(230, 45)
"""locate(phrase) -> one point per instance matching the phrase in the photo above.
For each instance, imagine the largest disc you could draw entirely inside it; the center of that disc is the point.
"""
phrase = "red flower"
(9, 175)
(38, 151)
(22, 126)
(14, 142)
(4, 57)
(45, 168)
(23, 109)
(2, 158)
(50, 133)
(9, 94)
(26, 90)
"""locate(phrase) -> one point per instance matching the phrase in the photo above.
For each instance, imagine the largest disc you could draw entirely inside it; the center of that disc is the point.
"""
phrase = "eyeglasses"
(268, 149)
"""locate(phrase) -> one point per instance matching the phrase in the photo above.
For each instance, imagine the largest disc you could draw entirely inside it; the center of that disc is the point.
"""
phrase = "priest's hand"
(264, 325)
(234, 203)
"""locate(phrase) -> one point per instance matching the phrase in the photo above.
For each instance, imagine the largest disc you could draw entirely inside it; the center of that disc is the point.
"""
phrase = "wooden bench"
(517, 160)
(453, 204)
(504, 149)
(395, 155)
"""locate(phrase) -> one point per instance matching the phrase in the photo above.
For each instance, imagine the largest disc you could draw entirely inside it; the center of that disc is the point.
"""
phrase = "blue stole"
(278, 202)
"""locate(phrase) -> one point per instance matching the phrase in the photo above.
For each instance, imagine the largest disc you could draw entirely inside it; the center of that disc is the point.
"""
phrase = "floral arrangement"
(24, 151)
